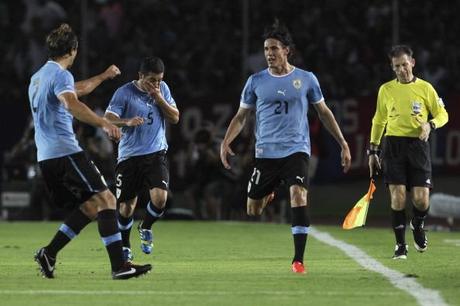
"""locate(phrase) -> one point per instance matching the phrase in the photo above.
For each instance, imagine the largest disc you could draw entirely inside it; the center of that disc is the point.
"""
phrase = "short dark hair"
(398, 50)
(279, 32)
(152, 64)
(61, 41)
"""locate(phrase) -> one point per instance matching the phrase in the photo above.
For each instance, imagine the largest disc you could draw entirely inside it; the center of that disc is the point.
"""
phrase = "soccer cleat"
(298, 267)
(130, 270)
(46, 263)
(420, 240)
(400, 251)
(146, 236)
(127, 254)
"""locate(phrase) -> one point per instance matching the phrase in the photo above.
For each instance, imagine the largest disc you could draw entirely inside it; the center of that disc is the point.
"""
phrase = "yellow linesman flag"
(357, 215)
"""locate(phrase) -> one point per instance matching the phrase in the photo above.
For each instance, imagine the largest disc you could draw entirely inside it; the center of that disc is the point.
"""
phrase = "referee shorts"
(407, 161)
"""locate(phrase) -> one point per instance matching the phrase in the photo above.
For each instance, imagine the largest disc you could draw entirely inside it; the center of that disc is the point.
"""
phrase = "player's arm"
(327, 118)
(120, 122)
(379, 122)
(83, 113)
(170, 111)
(87, 86)
(233, 130)
(438, 111)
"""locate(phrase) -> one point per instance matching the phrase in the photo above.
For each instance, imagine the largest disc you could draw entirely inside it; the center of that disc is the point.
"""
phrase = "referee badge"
(297, 83)
(416, 108)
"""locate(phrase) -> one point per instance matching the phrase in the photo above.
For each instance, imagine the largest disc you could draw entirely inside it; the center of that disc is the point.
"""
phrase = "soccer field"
(226, 263)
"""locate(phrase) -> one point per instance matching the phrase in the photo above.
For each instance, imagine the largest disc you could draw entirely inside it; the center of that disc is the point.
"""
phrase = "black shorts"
(407, 161)
(138, 173)
(269, 173)
(72, 179)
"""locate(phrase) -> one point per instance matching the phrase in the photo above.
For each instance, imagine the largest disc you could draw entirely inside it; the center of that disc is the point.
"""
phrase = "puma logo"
(282, 92)
(300, 178)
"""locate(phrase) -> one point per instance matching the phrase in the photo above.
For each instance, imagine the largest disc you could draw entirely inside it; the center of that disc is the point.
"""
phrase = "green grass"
(207, 263)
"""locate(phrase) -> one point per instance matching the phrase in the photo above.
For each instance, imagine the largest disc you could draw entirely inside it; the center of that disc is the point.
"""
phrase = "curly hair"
(61, 41)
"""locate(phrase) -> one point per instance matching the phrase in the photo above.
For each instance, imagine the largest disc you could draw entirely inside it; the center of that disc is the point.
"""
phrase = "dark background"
(210, 48)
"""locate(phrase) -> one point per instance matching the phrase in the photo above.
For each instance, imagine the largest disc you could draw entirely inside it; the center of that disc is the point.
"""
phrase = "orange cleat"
(298, 267)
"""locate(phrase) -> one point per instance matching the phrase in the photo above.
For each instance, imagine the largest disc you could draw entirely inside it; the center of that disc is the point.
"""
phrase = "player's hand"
(135, 121)
(111, 130)
(425, 129)
(346, 157)
(111, 72)
(374, 165)
(224, 151)
(153, 89)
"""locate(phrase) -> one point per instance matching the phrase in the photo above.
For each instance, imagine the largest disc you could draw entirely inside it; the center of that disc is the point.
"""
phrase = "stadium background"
(209, 49)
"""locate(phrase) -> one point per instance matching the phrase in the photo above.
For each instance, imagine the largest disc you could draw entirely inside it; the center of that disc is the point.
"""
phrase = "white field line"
(424, 296)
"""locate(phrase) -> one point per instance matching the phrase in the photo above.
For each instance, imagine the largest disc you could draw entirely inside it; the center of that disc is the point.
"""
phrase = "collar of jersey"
(138, 88)
(281, 76)
(56, 63)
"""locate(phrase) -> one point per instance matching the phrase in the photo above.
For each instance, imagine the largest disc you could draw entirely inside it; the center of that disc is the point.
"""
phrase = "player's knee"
(126, 210)
(252, 210)
(398, 199)
(103, 200)
(89, 210)
(298, 195)
(159, 197)
(421, 202)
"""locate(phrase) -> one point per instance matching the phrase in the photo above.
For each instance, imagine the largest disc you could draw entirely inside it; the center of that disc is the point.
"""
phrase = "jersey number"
(150, 118)
(279, 107)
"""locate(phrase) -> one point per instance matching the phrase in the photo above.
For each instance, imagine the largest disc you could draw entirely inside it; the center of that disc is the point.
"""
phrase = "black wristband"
(432, 125)
(373, 152)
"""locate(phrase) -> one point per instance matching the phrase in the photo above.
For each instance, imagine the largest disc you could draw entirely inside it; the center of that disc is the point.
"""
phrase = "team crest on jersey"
(416, 107)
(297, 83)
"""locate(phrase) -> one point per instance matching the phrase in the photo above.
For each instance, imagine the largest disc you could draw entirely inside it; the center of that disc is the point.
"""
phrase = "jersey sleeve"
(63, 83)
(117, 104)
(167, 93)
(314, 93)
(436, 108)
(248, 96)
(380, 118)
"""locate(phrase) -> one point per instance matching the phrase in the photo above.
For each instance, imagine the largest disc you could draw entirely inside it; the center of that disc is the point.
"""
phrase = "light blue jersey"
(130, 101)
(281, 106)
(54, 135)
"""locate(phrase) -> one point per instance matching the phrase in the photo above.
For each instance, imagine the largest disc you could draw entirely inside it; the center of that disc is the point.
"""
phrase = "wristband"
(432, 125)
(373, 152)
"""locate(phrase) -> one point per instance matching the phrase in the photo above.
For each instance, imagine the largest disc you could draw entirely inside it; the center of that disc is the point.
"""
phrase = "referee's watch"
(373, 152)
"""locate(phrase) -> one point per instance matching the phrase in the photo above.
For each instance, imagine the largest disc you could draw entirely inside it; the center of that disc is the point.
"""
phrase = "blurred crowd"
(343, 42)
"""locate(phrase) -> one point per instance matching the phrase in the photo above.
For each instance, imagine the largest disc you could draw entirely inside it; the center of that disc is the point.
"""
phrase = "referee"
(408, 110)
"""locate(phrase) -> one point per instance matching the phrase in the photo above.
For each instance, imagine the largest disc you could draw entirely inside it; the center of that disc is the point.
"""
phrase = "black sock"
(398, 221)
(67, 231)
(152, 215)
(418, 220)
(300, 226)
(111, 237)
(125, 224)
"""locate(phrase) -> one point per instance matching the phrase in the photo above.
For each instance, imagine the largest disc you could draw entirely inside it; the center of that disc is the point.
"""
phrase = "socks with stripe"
(418, 220)
(152, 215)
(300, 226)
(398, 221)
(125, 224)
(67, 231)
(111, 237)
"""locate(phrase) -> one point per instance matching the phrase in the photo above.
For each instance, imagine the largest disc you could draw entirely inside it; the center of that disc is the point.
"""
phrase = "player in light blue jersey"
(141, 108)
(70, 176)
(281, 96)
